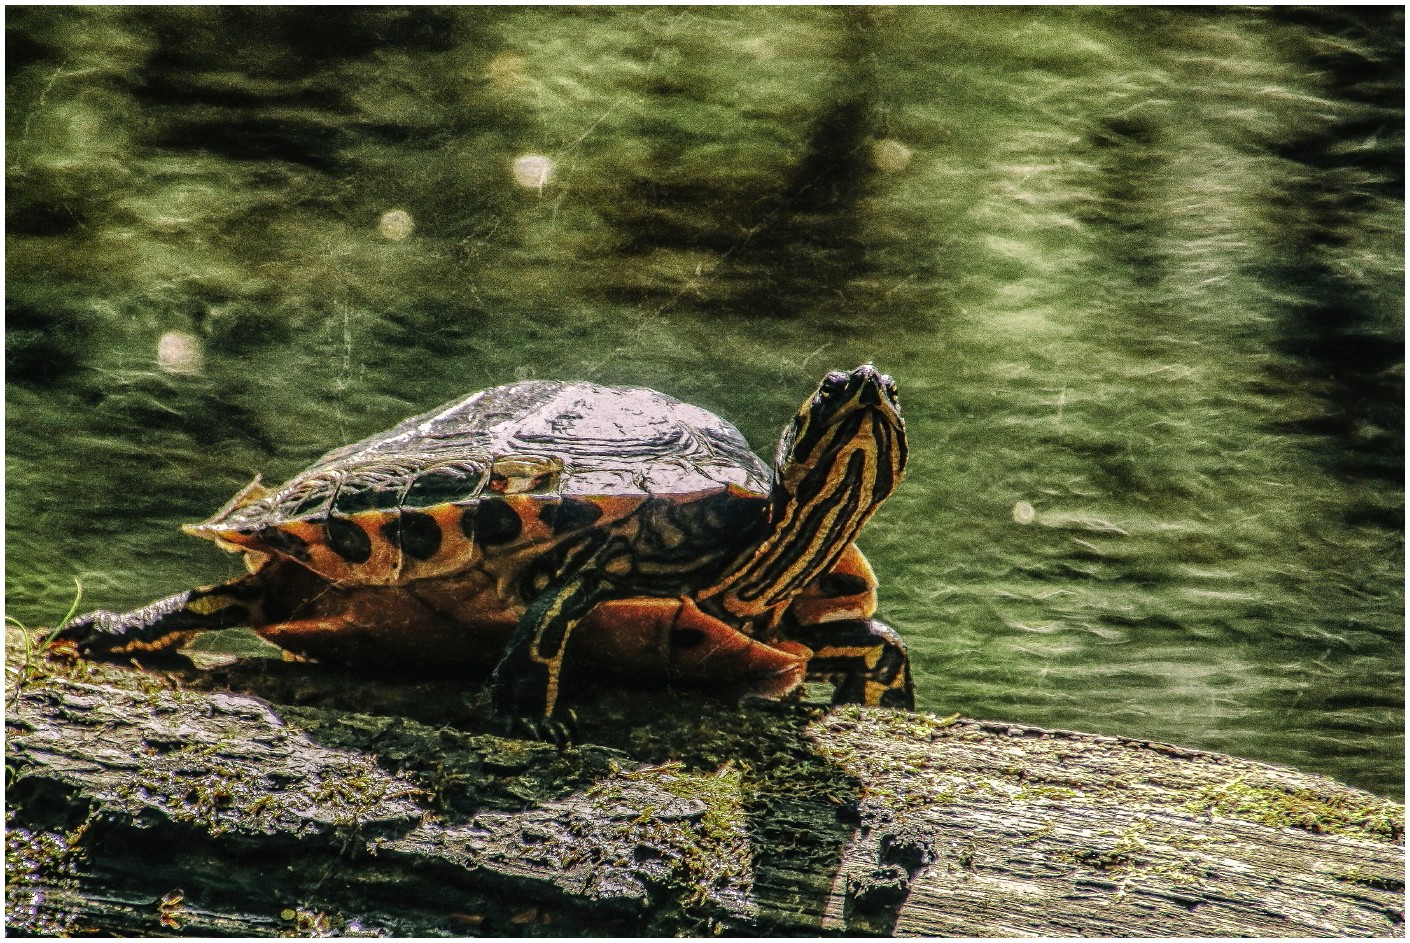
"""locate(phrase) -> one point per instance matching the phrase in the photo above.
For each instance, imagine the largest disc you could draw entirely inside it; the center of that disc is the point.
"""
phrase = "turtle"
(494, 529)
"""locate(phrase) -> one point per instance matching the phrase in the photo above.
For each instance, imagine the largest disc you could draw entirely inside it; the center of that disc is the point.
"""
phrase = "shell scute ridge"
(584, 453)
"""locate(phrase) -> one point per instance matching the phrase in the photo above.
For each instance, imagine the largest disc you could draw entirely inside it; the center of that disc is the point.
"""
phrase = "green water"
(1139, 268)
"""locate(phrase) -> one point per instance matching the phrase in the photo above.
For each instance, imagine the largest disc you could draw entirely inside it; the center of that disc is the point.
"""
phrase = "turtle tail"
(167, 623)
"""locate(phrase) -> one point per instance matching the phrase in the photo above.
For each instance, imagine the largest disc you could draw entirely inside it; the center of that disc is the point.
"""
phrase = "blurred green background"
(1138, 272)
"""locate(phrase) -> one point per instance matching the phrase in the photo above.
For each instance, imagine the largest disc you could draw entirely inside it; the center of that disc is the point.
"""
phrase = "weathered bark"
(266, 798)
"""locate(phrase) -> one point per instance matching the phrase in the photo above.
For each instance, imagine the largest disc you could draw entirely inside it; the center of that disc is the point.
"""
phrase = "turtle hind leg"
(166, 624)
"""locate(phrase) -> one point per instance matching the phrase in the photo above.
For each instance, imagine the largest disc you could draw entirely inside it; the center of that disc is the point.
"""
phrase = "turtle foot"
(528, 709)
(561, 729)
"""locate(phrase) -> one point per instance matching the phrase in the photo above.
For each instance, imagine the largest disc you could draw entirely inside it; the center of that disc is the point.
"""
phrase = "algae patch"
(704, 855)
(1337, 814)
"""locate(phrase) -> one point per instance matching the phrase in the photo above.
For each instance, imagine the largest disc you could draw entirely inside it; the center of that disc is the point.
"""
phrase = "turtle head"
(849, 413)
(840, 457)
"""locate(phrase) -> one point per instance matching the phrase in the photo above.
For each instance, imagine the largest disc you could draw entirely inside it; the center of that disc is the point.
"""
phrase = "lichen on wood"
(266, 798)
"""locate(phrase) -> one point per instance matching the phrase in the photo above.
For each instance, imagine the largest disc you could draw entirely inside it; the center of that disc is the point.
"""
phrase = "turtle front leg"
(863, 657)
(164, 625)
(524, 687)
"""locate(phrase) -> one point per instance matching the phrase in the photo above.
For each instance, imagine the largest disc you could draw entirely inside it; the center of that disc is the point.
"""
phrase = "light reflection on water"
(1144, 312)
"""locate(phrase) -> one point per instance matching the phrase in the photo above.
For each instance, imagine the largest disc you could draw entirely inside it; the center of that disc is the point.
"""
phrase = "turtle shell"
(511, 467)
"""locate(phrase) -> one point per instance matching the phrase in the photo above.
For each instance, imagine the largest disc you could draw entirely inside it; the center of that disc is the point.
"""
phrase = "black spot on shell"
(281, 541)
(491, 522)
(348, 540)
(842, 584)
(569, 515)
(418, 534)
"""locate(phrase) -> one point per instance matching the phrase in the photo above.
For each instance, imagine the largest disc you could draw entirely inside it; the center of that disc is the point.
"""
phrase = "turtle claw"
(560, 730)
(526, 715)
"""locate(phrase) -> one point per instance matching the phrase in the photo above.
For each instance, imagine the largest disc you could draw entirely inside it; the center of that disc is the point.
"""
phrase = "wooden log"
(263, 797)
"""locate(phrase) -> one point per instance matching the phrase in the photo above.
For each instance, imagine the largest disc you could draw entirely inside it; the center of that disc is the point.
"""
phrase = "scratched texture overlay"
(1138, 273)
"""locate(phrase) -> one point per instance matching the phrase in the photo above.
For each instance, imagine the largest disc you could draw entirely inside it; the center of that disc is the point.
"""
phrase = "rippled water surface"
(1137, 271)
